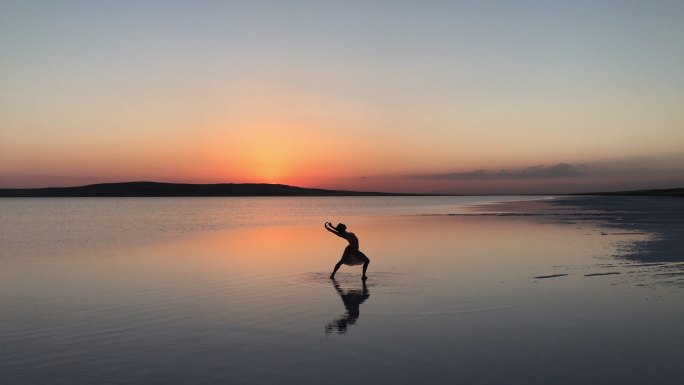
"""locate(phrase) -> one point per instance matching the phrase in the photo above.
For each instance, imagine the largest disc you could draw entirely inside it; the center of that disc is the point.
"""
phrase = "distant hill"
(671, 192)
(159, 189)
(156, 189)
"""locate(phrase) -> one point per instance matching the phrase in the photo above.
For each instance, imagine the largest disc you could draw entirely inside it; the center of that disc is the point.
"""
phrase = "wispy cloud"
(560, 170)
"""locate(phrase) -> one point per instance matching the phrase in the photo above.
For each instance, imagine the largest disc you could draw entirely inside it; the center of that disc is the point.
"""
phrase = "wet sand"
(660, 220)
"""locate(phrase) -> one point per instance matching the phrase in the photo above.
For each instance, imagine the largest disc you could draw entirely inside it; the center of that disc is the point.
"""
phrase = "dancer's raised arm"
(329, 227)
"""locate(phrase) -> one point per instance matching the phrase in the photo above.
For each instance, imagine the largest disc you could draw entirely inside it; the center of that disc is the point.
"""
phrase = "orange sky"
(433, 99)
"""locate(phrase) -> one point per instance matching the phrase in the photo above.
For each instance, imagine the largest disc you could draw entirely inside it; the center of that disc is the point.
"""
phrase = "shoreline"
(661, 218)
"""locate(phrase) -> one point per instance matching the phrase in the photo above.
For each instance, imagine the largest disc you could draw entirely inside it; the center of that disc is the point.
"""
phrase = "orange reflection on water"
(465, 246)
(258, 248)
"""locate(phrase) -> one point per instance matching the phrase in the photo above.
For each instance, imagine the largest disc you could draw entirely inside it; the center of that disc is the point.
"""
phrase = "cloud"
(560, 170)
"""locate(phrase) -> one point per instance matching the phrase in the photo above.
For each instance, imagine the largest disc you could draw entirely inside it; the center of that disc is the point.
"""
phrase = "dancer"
(352, 255)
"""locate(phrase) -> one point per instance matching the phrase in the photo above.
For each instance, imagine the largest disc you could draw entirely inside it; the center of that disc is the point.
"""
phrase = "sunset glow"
(430, 97)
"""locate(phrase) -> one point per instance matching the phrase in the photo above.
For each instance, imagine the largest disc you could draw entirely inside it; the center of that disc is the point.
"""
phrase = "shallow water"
(236, 290)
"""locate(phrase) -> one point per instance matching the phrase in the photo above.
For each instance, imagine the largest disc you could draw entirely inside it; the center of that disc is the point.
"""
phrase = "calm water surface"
(235, 291)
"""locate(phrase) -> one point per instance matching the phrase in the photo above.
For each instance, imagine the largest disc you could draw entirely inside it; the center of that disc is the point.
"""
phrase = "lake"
(236, 291)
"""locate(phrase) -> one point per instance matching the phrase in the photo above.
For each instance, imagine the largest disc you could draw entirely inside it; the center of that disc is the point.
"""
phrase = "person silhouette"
(352, 300)
(352, 255)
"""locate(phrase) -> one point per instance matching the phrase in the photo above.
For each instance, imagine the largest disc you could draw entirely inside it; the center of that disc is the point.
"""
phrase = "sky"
(485, 97)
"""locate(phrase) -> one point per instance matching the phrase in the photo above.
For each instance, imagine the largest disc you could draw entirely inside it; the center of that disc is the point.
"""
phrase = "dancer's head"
(341, 227)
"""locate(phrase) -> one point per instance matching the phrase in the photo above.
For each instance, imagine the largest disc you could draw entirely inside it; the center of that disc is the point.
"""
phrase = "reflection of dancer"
(352, 299)
(352, 255)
